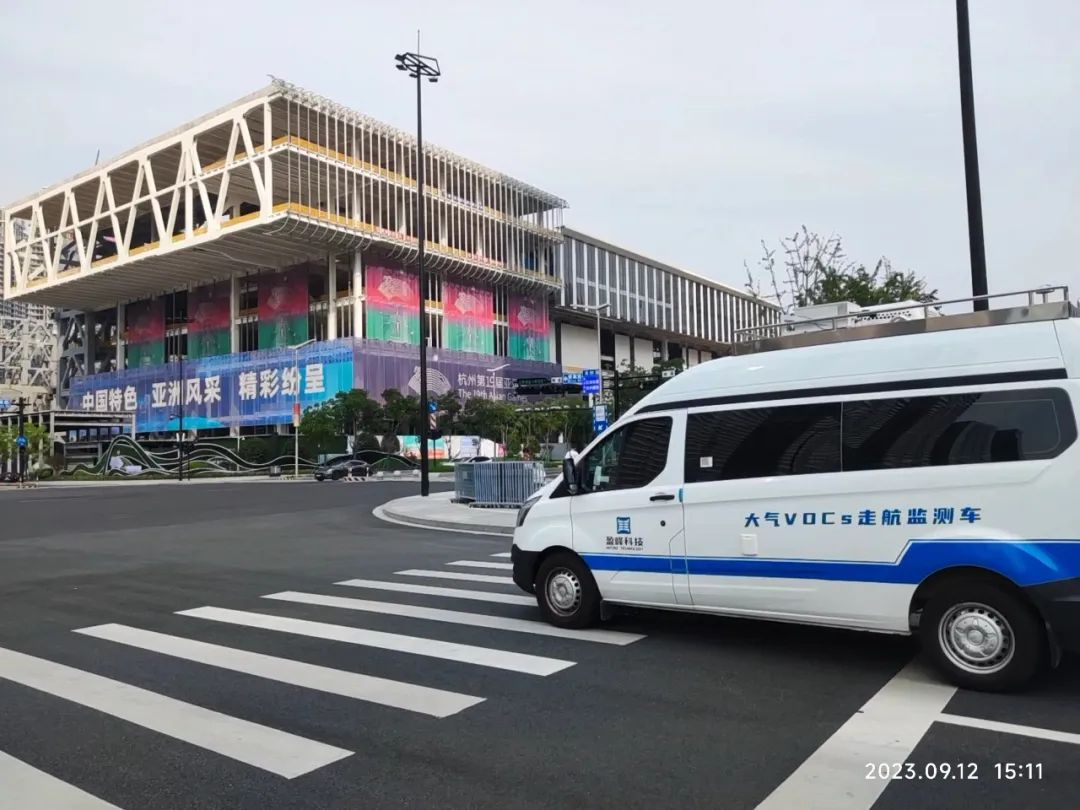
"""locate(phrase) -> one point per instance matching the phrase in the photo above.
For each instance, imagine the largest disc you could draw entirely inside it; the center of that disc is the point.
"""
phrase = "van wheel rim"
(563, 591)
(976, 638)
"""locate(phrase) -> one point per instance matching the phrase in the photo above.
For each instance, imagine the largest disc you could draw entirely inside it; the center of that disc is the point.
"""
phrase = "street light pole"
(596, 309)
(296, 405)
(976, 245)
(421, 67)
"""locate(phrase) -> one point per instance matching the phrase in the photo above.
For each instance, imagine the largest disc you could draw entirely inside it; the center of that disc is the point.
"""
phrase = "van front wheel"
(983, 637)
(566, 592)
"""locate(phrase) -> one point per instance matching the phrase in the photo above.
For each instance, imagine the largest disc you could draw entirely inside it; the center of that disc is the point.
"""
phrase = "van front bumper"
(525, 563)
(1059, 603)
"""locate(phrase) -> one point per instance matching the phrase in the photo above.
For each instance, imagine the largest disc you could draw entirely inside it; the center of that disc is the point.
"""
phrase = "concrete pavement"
(252, 647)
(437, 511)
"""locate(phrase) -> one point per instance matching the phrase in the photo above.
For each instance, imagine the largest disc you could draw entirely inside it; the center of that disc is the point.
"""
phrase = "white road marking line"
(400, 695)
(886, 729)
(23, 786)
(483, 564)
(269, 749)
(435, 590)
(1010, 728)
(502, 554)
(419, 572)
(433, 648)
(537, 628)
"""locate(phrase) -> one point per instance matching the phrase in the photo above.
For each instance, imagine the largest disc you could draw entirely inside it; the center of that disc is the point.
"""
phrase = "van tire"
(1005, 645)
(566, 592)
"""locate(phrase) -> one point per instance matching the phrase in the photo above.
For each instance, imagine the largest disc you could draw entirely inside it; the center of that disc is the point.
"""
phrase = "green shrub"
(256, 451)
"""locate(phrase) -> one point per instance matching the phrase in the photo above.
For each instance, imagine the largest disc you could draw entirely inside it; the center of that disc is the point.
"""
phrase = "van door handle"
(664, 497)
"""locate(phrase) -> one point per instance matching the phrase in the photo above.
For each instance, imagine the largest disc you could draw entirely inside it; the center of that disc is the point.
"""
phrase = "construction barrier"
(505, 484)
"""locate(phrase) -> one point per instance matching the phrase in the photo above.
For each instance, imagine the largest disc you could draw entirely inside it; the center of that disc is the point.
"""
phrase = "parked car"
(341, 469)
(473, 460)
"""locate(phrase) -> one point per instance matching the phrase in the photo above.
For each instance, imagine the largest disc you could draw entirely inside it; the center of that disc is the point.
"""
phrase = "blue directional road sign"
(600, 419)
(590, 381)
(20, 441)
(432, 406)
(5, 404)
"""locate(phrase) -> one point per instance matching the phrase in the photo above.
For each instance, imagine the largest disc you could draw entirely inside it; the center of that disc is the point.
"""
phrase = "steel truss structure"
(276, 178)
(28, 349)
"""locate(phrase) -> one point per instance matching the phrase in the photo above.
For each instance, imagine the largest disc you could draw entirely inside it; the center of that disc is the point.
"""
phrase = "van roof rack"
(863, 323)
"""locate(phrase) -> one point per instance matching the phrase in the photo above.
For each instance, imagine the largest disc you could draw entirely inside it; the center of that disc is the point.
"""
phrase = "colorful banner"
(393, 305)
(379, 366)
(144, 333)
(530, 329)
(283, 308)
(260, 388)
(209, 321)
(253, 388)
(468, 313)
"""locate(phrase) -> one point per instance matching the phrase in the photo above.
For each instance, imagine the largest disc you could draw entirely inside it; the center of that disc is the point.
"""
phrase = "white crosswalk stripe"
(465, 653)
(279, 752)
(436, 590)
(483, 564)
(502, 554)
(458, 575)
(538, 628)
(23, 787)
(408, 696)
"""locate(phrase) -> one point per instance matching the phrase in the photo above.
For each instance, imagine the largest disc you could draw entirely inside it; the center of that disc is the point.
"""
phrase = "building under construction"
(261, 259)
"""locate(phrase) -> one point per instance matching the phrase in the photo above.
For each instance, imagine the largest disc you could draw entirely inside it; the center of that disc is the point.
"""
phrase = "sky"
(685, 131)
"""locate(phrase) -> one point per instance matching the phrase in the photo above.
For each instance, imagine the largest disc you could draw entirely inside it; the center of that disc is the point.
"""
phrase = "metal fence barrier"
(498, 483)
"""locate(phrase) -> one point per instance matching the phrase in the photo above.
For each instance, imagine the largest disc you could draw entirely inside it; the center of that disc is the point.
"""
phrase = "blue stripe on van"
(1025, 562)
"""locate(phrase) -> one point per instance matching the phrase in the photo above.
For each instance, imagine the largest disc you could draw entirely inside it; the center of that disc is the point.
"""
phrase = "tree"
(816, 270)
(401, 413)
(7, 444)
(321, 424)
(366, 440)
(449, 406)
(357, 412)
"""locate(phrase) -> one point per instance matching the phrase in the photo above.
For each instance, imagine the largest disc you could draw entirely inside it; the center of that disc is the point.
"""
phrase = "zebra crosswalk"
(420, 610)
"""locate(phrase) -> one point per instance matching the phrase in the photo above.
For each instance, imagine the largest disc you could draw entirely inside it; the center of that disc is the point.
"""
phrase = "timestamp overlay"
(922, 743)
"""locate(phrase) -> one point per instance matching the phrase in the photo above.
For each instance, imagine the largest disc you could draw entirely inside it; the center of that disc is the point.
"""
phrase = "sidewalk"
(437, 512)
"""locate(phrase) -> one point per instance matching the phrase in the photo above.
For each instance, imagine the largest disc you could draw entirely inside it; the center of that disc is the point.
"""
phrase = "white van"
(918, 482)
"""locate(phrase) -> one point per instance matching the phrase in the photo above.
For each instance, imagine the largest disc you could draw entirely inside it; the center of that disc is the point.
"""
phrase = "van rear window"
(975, 428)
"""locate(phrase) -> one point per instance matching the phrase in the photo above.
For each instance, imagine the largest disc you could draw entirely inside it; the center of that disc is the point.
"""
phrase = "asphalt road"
(210, 709)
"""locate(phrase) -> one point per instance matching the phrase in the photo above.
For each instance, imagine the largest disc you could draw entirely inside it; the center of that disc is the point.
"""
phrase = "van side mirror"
(569, 474)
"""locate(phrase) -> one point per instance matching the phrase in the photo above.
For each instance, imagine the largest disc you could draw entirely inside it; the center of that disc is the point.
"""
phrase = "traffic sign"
(590, 381)
(600, 413)
(432, 406)
(572, 378)
(5, 404)
(20, 441)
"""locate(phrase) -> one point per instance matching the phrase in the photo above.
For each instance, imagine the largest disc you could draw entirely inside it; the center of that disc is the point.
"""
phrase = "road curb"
(391, 516)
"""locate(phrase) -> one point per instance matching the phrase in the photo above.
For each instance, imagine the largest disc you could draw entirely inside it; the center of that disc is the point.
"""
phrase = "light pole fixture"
(492, 372)
(296, 405)
(976, 244)
(596, 309)
(420, 67)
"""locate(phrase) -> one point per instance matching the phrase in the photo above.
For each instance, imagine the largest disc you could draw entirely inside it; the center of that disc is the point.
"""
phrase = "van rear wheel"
(983, 637)
(566, 592)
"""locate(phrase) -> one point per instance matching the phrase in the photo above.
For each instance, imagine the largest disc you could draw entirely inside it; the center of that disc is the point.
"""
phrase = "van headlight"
(523, 510)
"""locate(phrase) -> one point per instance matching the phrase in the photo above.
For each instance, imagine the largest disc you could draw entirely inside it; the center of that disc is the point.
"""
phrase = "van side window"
(969, 428)
(630, 457)
(759, 442)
